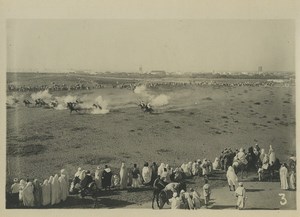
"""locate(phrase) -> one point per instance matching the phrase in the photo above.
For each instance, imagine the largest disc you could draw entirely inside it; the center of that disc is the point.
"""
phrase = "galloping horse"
(145, 107)
(27, 102)
(164, 195)
(75, 106)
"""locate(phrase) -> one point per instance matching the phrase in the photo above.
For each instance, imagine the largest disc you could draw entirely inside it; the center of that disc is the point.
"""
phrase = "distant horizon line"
(148, 72)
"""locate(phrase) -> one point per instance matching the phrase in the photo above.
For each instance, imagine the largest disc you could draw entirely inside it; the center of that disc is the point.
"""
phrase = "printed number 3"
(283, 200)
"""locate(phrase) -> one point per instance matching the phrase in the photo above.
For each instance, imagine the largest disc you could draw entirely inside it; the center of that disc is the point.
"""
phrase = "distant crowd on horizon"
(131, 85)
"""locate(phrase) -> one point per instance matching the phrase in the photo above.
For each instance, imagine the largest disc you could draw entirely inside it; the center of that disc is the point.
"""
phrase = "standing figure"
(231, 178)
(55, 189)
(23, 184)
(37, 193)
(216, 164)
(292, 180)
(46, 193)
(123, 176)
(240, 193)
(206, 192)
(195, 199)
(147, 174)
(205, 168)
(283, 172)
(15, 192)
(106, 178)
(175, 201)
(195, 168)
(154, 169)
(98, 177)
(135, 177)
(28, 198)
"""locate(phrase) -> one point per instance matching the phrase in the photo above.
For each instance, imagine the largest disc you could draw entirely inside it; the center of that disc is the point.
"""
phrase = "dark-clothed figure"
(106, 178)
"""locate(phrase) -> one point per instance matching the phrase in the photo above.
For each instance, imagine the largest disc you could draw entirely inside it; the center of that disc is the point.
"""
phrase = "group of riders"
(266, 164)
(75, 106)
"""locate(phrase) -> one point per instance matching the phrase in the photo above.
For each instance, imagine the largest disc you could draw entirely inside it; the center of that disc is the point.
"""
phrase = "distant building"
(260, 69)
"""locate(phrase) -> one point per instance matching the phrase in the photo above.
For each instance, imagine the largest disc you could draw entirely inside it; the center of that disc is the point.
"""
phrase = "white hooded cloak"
(283, 172)
(28, 197)
(146, 174)
(231, 177)
(46, 192)
(123, 176)
(55, 189)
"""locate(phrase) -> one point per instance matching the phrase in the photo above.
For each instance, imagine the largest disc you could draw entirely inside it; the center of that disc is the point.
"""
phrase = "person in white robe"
(37, 192)
(240, 193)
(46, 193)
(204, 166)
(50, 184)
(169, 169)
(55, 190)
(166, 176)
(241, 156)
(160, 169)
(82, 175)
(283, 172)
(292, 180)
(98, 177)
(63, 187)
(262, 154)
(189, 168)
(123, 176)
(265, 162)
(77, 174)
(270, 149)
(188, 198)
(231, 178)
(28, 197)
(23, 184)
(195, 168)
(146, 174)
(175, 201)
(216, 164)
(272, 157)
(65, 175)
(195, 199)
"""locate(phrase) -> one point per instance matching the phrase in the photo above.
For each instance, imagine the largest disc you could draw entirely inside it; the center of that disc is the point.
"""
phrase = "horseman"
(272, 156)
(256, 150)
(159, 184)
(241, 157)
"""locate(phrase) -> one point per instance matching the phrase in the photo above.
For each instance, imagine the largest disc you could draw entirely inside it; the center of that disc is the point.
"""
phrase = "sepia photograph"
(191, 114)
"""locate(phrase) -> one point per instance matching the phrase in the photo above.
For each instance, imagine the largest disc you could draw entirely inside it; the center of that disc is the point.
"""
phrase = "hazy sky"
(171, 45)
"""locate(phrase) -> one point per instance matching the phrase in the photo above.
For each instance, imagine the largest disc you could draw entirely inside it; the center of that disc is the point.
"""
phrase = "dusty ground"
(197, 122)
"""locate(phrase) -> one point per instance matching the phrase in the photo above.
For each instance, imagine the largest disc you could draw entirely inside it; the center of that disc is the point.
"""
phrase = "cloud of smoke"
(63, 100)
(14, 99)
(99, 101)
(45, 95)
(160, 100)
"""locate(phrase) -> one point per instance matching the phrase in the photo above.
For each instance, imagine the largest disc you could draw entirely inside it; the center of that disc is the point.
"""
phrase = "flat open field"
(194, 122)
